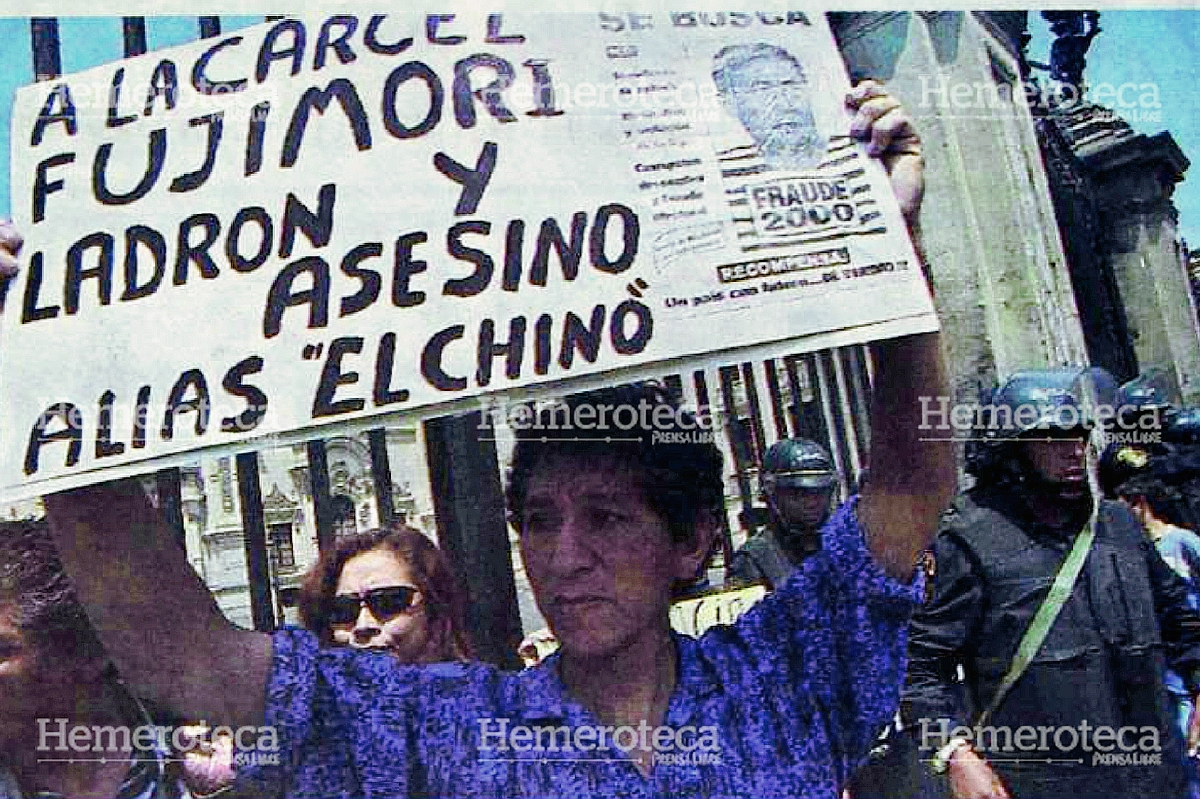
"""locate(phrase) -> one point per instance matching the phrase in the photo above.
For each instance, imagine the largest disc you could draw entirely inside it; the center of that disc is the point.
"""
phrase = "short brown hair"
(47, 611)
(681, 482)
(443, 597)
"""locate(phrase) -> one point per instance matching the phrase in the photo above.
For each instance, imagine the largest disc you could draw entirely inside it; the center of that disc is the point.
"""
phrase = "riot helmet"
(1151, 389)
(1047, 400)
(1016, 428)
(1184, 427)
(797, 463)
(797, 480)
(1148, 402)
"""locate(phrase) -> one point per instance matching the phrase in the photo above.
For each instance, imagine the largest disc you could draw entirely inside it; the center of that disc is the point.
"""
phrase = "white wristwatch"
(940, 762)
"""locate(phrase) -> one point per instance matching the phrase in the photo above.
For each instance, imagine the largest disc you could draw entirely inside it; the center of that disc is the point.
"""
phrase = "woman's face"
(403, 632)
(600, 559)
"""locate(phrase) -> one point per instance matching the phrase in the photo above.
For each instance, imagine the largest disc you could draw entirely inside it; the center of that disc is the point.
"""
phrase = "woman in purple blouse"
(784, 703)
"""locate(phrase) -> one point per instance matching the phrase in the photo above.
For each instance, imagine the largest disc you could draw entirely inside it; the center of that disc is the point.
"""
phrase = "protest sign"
(310, 223)
(694, 615)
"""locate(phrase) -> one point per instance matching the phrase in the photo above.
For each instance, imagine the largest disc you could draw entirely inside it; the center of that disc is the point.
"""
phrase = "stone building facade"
(1113, 188)
(988, 225)
(212, 512)
(1048, 226)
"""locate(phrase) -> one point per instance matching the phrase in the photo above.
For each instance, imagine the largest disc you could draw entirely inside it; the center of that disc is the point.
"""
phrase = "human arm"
(939, 634)
(1179, 623)
(890, 135)
(206, 765)
(972, 778)
(912, 480)
(10, 247)
(835, 630)
(153, 613)
(823, 655)
(938, 638)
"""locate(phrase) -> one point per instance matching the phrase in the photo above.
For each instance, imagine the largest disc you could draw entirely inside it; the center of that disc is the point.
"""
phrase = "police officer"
(1144, 408)
(1100, 666)
(797, 482)
(1166, 445)
(1179, 467)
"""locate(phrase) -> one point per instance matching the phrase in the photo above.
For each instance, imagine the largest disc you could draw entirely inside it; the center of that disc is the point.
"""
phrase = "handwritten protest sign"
(695, 615)
(314, 222)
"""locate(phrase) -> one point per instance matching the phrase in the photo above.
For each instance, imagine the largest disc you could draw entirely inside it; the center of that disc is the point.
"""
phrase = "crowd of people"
(1043, 606)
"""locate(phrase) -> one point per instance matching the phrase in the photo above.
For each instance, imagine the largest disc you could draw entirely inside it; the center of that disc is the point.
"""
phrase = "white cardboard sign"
(313, 222)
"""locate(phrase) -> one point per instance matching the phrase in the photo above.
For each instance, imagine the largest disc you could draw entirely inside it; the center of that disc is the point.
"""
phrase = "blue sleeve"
(1190, 544)
(343, 722)
(1180, 548)
(836, 631)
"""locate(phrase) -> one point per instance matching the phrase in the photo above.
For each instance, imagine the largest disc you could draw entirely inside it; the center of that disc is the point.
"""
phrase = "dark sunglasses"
(385, 604)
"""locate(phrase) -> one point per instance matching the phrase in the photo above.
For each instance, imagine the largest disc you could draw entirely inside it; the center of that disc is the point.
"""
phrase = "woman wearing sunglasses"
(387, 589)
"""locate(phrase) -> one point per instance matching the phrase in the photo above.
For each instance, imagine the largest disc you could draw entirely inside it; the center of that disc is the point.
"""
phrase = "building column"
(1134, 181)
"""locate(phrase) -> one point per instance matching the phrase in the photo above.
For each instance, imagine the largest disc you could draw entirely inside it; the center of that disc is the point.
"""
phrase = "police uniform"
(761, 560)
(1101, 664)
(793, 463)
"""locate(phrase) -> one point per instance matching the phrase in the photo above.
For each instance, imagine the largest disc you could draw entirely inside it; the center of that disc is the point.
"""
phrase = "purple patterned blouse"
(785, 703)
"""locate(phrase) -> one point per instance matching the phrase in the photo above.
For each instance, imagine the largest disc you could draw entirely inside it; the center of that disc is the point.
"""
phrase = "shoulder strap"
(1043, 620)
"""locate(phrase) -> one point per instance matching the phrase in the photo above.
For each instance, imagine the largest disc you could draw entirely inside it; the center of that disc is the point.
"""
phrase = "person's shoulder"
(1183, 538)
(1115, 510)
(1190, 536)
(1118, 524)
(759, 543)
(974, 525)
(958, 520)
(845, 560)
(974, 504)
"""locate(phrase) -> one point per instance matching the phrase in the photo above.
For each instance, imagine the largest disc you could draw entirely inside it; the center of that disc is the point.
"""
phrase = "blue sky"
(1139, 47)
(85, 42)
(1158, 47)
